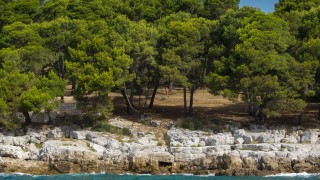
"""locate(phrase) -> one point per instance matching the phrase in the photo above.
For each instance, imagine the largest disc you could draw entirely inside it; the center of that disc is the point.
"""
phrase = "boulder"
(13, 152)
(239, 133)
(309, 137)
(217, 150)
(60, 132)
(81, 135)
(239, 141)
(41, 117)
(21, 141)
(291, 139)
(220, 139)
(260, 147)
(155, 123)
(33, 153)
(106, 142)
(248, 139)
(265, 138)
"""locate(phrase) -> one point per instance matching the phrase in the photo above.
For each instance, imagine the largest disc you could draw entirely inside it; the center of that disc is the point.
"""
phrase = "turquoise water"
(151, 177)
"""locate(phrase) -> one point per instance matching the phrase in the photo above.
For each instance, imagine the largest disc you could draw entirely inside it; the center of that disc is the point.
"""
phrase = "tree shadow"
(235, 112)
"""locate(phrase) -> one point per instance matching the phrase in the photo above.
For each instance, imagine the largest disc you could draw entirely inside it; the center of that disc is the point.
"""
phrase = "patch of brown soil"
(206, 107)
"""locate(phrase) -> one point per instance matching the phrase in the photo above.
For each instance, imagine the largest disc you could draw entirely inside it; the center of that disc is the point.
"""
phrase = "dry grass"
(208, 107)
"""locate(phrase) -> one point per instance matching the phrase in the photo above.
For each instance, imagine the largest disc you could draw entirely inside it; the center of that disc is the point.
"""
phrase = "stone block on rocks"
(239, 141)
(260, 147)
(106, 142)
(33, 153)
(41, 117)
(309, 137)
(217, 150)
(60, 132)
(220, 139)
(13, 152)
(81, 135)
(291, 139)
(21, 141)
(155, 123)
(265, 138)
(56, 133)
(248, 139)
(239, 133)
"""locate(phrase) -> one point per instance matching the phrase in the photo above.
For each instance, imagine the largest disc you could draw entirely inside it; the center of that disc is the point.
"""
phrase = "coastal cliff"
(69, 149)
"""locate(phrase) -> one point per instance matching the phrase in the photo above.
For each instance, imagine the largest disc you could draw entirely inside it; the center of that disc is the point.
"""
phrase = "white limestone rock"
(13, 152)
(106, 142)
(309, 137)
(187, 154)
(220, 139)
(81, 135)
(21, 141)
(239, 141)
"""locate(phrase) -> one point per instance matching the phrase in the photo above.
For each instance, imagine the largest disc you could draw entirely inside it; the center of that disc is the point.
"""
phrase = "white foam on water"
(304, 174)
(208, 175)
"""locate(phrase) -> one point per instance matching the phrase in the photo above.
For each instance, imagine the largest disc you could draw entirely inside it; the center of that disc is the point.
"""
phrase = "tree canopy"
(269, 60)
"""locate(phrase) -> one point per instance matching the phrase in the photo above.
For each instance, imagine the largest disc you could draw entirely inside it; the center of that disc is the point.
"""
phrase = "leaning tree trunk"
(185, 100)
(154, 94)
(27, 117)
(191, 101)
(129, 106)
(124, 94)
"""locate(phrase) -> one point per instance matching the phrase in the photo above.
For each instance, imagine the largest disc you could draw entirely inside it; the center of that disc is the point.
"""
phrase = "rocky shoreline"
(243, 152)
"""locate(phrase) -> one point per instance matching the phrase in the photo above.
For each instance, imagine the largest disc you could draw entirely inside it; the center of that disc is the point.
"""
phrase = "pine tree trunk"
(185, 100)
(251, 110)
(261, 116)
(26, 117)
(63, 72)
(300, 118)
(73, 86)
(125, 96)
(170, 87)
(154, 94)
(50, 119)
(191, 101)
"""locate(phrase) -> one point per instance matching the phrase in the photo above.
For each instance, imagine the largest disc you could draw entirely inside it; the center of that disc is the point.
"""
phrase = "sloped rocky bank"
(70, 149)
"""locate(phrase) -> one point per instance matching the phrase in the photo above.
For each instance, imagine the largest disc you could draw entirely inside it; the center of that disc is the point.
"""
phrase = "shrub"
(104, 126)
(126, 132)
(191, 124)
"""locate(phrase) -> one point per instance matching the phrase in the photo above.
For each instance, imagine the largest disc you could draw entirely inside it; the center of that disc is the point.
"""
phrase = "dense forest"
(136, 46)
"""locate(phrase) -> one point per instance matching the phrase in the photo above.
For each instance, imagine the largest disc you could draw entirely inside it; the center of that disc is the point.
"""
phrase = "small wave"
(293, 174)
(187, 174)
(208, 175)
(15, 174)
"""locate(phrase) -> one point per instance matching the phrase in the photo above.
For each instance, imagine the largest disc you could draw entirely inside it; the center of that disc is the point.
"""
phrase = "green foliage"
(126, 132)
(272, 60)
(261, 69)
(103, 126)
(190, 123)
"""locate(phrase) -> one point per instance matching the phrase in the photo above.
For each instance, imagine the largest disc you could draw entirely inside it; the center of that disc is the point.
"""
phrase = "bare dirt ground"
(208, 107)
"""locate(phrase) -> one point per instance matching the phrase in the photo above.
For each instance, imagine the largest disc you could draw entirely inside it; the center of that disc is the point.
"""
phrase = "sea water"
(103, 176)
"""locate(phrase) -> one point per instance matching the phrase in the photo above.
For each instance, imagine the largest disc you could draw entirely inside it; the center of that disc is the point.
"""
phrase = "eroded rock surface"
(66, 149)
